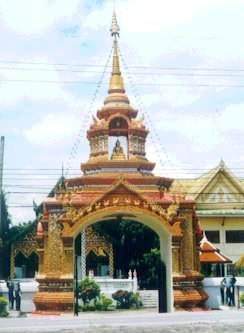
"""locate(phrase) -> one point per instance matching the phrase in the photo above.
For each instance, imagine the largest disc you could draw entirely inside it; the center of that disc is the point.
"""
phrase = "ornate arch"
(25, 246)
(97, 243)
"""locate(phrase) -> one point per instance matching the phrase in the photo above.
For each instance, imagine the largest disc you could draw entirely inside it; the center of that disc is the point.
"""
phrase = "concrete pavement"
(142, 321)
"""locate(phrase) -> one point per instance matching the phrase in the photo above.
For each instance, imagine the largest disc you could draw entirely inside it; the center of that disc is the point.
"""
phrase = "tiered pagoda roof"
(117, 120)
(210, 254)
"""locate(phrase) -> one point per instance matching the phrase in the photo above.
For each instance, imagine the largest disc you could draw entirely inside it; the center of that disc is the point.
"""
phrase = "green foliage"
(88, 290)
(103, 303)
(240, 272)
(3, 304)
(126, 235)
(135, 300)
(5, 217)
(17, 231)
(241, 299)
(127, 299)
(87, 307)
(151, 264)
(3, 300)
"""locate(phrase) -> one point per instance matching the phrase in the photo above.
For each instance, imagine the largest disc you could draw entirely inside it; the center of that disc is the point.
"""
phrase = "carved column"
(176, 258)
(54, 247)
(111, 261)
(56, 276)
(187, 242)
(83, 254)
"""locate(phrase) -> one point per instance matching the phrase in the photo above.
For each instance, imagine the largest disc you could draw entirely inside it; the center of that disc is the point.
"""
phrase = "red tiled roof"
(209, 253)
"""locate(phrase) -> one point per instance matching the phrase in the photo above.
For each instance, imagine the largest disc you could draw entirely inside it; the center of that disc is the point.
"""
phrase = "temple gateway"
(117, 183)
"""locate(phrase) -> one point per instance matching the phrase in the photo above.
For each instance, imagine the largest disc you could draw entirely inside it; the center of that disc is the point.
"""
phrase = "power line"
(120, 206)
(185, 84)
(188, 193)
(131, 66)
(134, 72)
(77, 169)
(87, 115)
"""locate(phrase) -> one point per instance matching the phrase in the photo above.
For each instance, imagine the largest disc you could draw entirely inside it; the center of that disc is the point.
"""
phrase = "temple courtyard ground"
(143, 321)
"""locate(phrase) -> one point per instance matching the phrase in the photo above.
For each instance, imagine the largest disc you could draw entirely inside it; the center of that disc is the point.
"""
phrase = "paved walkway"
(142, 321)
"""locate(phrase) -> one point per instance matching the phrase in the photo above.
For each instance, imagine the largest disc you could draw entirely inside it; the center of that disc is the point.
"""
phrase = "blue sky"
(189, 86)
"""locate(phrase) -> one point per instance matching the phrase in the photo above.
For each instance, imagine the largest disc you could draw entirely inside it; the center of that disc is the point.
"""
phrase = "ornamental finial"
(114, 26)
(116, 81)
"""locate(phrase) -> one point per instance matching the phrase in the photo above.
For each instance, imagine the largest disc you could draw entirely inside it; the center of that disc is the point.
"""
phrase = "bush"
(103, 303)
(127, 299)
(3, 304)
(135, 300)
(241, 299)
(87, 307)
(88, 290)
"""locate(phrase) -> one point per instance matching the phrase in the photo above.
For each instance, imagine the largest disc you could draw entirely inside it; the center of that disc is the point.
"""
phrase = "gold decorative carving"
(99, 245)
(26, 246)
(71, 213)
(55, 245)
(115, 201)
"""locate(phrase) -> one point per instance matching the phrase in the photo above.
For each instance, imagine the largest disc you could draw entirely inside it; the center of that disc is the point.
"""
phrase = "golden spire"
(116, 80)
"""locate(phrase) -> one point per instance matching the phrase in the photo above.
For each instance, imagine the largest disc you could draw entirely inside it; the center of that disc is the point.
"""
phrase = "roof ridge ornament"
(221, 164)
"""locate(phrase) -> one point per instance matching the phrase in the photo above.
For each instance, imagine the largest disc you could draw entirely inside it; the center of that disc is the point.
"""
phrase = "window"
(212, 236)
(234, 236)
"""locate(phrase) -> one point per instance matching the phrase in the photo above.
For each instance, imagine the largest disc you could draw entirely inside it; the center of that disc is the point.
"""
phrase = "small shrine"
(213, 262)
(117, 180)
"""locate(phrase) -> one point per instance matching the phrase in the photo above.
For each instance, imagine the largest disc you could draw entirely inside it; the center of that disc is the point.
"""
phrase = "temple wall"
(210, 286)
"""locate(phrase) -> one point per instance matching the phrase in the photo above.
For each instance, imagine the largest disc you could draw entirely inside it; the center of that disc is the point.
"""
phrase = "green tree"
(5, 245)
(132, 243)
(5, 219)
(151, 265)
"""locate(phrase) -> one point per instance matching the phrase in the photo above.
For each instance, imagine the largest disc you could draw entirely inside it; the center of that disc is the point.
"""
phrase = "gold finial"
(116, 80)
(114, 26)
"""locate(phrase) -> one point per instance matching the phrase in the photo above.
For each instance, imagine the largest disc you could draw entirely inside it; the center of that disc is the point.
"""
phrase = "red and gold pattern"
(120, 184)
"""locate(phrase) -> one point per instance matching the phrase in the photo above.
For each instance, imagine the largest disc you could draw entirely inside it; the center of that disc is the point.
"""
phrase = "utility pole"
(1, 188)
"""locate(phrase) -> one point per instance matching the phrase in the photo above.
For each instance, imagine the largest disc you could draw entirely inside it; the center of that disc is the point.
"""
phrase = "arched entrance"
(175, 225)
(153, 222)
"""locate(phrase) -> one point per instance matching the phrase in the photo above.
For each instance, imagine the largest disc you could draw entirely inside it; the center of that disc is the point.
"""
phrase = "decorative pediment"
(26, 246)
(121, 195)
(222, 187)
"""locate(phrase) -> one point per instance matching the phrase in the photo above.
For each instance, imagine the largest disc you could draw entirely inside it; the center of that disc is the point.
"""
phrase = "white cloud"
(232, 117)
(53, 128)
(37, 87)
(34, 17)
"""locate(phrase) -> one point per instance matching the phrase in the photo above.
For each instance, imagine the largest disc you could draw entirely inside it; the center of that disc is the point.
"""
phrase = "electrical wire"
(224, 69)
(173, 73)
(183, 84)
(87, 115)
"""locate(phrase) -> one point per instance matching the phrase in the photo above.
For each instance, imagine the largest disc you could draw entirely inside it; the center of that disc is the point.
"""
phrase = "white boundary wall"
(108, 286)
(212, 287)
(29, 287)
